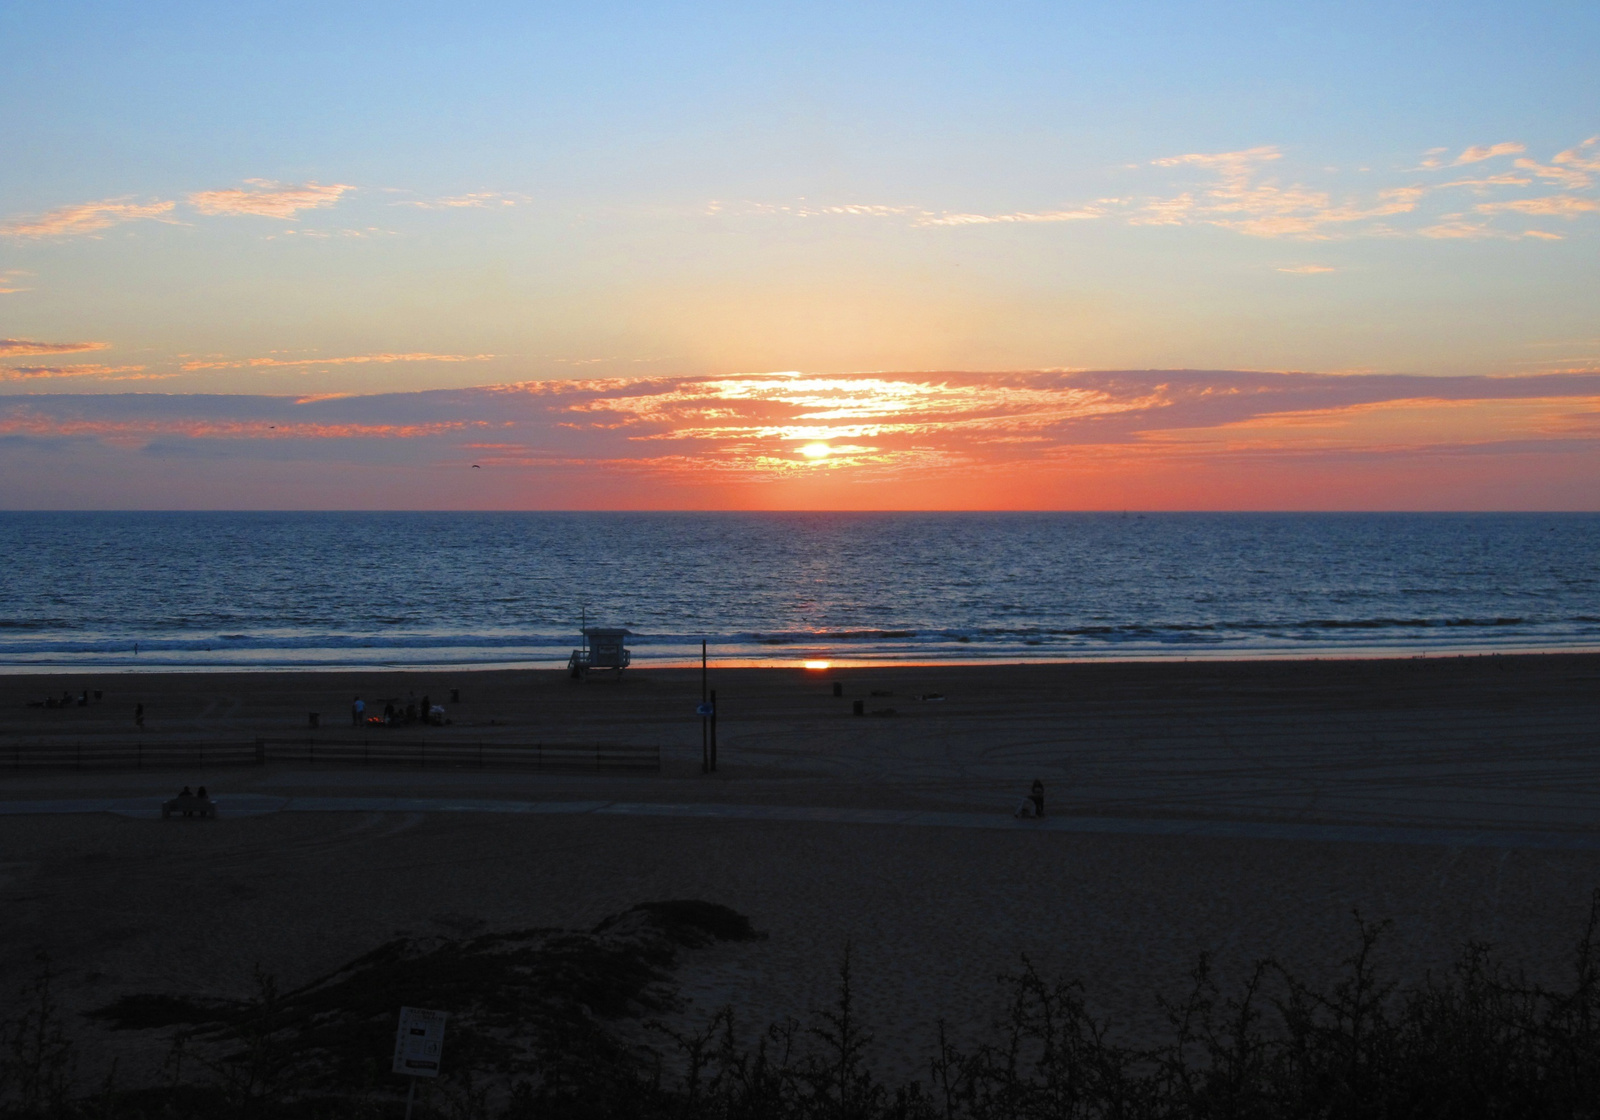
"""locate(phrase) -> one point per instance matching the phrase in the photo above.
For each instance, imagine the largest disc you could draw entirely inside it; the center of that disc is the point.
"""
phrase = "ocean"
(306, 590)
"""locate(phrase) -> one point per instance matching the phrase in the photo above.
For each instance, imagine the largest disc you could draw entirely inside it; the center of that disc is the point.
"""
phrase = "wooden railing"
(392, 753)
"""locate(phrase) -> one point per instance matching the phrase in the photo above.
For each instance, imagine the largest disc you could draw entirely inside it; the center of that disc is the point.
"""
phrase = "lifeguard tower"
(602, 649)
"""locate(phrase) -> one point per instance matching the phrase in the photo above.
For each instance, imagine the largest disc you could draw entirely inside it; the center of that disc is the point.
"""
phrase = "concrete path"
(245, 805)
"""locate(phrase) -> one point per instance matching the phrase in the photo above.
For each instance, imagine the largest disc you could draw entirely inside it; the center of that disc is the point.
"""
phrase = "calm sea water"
(221, 590)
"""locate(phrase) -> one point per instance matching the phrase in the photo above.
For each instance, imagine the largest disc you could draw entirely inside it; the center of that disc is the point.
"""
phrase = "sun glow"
(816, 451)
(818, 664)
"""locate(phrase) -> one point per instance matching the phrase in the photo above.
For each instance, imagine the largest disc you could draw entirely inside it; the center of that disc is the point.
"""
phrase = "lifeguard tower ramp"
(602, 649)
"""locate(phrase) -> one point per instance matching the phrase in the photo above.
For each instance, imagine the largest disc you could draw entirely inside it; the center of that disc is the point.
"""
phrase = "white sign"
(419, 1042)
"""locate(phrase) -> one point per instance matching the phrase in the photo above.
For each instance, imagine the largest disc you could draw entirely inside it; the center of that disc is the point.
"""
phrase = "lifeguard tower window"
(602, 649)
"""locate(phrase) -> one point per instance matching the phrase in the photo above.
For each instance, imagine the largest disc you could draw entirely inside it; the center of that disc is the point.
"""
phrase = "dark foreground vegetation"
(561, 1024)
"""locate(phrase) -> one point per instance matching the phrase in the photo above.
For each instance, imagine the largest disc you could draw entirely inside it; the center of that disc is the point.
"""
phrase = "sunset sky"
(880, 256)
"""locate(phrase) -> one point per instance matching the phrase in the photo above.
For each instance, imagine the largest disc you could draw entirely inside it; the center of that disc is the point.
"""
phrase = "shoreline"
(816, 663)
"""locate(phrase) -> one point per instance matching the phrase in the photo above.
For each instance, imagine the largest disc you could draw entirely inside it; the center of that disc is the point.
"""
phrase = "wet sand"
(1499, 744)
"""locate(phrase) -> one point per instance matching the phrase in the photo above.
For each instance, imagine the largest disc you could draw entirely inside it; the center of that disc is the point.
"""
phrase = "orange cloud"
(267, 199)
(23, 346)
(84, 218)
(1480, 152)
(1413, 425)
(1082, 214)
(1560, 205)
(1240, 201)
(1457, 228)
(1238, 195)
(478, 201)
(23, 373)
(354, 359)
(1236, 166)
(26, 421)
(1570, 178)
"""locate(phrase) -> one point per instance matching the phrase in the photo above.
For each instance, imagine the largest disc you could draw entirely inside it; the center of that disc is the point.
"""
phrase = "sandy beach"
(1438, 770)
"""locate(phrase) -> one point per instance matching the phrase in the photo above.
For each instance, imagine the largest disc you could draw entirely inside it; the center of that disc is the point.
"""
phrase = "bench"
(189, 806)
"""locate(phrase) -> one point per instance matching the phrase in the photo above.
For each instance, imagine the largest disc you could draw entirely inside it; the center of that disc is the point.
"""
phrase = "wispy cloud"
(353, 359)
(480, 200)
(333, 234)
(1249, 191)
(1082, 214)
(1568, 177)
(1236, 167)
(1458, 227)
(1307, 269)
(917, 216)
(1242, 197)
(27, 373)
(267, 199)
(1480, 152)
(11, 276)
(21, 347)
(85, 218)
(31, 418)
(1239, 198)
(1562, 206)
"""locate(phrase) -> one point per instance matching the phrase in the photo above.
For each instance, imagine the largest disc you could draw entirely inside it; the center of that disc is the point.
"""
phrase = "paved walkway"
(256, 805)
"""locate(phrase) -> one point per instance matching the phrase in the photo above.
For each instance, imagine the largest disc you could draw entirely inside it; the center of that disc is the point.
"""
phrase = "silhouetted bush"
(540, 1031)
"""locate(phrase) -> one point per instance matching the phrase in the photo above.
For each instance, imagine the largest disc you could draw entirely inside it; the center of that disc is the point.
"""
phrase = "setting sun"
(815, 450)
(818, 664)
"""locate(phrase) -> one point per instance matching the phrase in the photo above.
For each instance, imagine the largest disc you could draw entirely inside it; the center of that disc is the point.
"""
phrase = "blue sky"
(298, 199)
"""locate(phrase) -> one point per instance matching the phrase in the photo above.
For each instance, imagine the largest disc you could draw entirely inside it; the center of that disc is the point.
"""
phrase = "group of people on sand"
(424, 711)
(191, 802)
(1032, 805)
(65, 700)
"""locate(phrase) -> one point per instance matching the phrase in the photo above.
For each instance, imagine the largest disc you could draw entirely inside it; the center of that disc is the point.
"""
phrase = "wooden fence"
(391, 753)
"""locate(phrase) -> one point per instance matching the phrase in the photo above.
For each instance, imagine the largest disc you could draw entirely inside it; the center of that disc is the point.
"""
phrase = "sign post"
(418, 1046)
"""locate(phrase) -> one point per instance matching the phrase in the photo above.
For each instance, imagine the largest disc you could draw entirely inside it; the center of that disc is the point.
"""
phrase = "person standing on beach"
(425, 710)
(1036, 795)
(138, 716)
(357, 710)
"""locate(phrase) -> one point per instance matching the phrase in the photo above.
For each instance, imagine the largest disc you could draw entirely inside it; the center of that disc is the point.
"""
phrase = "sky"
(856, 256)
